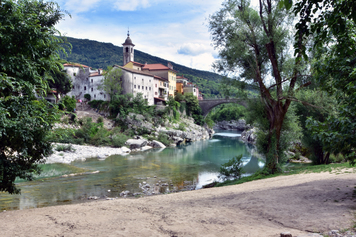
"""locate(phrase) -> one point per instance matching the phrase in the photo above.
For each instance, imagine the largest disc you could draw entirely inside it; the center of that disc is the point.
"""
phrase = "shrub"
(87, 97)
(232, 168)
(181, 127)
(100, 120)
(70, 103)
(162, 137)
(118, 140)
(100, 138)
(64, 148)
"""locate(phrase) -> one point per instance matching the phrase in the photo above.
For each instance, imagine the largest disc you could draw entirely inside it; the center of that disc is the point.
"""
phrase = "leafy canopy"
(28, 50)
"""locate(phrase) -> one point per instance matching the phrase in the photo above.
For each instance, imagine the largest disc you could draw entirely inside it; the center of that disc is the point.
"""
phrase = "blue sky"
(173, 30)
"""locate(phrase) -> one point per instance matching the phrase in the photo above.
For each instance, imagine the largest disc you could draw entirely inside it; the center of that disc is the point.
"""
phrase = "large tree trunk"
(276, 112)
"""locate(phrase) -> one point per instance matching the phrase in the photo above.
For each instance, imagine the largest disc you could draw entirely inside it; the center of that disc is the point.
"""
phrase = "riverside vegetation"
(132, 117)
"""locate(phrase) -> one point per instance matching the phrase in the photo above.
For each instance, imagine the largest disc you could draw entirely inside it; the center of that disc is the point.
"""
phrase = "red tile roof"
(95, 74)
(74, 65)
(155, 67)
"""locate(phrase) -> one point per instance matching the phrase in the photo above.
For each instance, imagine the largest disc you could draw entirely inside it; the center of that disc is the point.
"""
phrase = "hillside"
(100, 55)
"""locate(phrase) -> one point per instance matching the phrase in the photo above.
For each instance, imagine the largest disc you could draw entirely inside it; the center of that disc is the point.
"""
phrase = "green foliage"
(266, 144)
(181, 127)
(179, 97)
(228, 112)
(100, 120)
(320, 106)
(70, 103)
(118, 140)
(333, 30)
(87, 97)
(163, 137)
(28, 50)
(61, 82)
(209, 122)
(111, 83)
(193, 109)
(232, 168)
(65, 148)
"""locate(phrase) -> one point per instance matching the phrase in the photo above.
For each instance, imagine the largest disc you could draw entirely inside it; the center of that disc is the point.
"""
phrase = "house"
(166, 72)
(85, 80)
(186, 87)
(137, 81)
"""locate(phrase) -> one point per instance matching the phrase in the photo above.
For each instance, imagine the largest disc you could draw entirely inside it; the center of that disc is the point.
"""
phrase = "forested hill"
(100, 55)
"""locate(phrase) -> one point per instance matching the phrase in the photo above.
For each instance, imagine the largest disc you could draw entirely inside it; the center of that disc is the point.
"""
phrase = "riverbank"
(299, 204)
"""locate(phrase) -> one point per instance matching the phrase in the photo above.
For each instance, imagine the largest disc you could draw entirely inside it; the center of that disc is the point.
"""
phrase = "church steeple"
(128, 49)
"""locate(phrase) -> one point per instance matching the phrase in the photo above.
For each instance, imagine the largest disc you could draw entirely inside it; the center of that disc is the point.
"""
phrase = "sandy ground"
(299, 204)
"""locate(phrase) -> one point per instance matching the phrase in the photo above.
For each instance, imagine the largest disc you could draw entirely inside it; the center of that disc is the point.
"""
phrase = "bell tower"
(128, 49)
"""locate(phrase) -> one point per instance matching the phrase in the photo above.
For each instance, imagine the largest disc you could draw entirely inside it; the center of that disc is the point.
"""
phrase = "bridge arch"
(208, 105)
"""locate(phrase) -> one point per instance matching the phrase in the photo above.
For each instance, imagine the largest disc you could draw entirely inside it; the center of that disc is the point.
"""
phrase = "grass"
(291, 169)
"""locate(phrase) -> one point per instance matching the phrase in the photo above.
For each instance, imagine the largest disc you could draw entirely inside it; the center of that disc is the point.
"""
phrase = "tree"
(61, 82)
(255, 44)
(111, 83)
(332, 24)
(28, 50)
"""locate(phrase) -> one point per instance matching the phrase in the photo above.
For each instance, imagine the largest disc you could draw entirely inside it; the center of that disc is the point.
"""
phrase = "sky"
(173, 30)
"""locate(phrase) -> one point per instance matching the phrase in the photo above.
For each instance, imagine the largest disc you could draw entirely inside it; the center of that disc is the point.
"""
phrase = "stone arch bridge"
(207, 105)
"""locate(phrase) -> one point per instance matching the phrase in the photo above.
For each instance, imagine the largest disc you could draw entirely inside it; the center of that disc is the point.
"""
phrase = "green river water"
(197, 164)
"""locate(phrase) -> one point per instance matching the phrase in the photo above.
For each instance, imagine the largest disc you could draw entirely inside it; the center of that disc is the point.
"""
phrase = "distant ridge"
(100, 55)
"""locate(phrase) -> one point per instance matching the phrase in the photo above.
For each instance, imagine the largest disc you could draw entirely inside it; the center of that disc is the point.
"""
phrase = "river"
(182, 168)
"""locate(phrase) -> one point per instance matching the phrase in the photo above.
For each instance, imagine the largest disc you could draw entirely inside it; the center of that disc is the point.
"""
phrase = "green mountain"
(100, 55)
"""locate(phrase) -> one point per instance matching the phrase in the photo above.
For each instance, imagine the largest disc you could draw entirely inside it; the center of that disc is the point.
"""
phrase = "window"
(135, 86)
(91, 89)
(85, 88)
(156, 93)
(134, 77)
(142, 79)
(131, 50)
(150, 80)
(138, 87)
(156, 85)
(78, 87)
(104, 96)
(91, 80)
(149, 88)
(74, 74)
(73, 87)
(127, 50)
(94, 96)
(146, 88)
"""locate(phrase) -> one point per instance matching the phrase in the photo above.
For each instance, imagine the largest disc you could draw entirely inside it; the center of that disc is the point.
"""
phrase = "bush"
(162, 137)
(100, 138)
(232, 168)
(118, 140)
(87, 97)
(100, 120)
(64, 148)
(69, 103)
(181, 127)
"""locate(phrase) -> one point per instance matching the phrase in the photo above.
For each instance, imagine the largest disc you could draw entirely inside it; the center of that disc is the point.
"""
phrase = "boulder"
(157, 144)
(136, 143)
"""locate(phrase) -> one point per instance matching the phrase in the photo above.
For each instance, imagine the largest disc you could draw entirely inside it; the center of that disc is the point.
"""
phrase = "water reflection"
(197, 163)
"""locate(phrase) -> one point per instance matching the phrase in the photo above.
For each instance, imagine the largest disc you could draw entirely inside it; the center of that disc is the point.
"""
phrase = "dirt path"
(297, 203)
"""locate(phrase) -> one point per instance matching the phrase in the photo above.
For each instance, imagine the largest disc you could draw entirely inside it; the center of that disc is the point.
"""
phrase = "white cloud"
(193, 49)
(131, 5)
(76, 6)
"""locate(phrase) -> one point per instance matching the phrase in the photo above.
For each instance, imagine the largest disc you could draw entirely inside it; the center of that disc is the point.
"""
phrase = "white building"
(85, 81)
